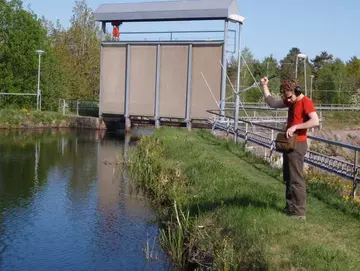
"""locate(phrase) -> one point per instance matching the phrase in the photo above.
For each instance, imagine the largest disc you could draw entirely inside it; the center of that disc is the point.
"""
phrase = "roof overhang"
(180, 10)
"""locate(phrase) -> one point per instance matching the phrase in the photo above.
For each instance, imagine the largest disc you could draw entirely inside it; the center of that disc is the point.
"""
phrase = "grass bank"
(341, 119)
(221, 207)
(13, 118)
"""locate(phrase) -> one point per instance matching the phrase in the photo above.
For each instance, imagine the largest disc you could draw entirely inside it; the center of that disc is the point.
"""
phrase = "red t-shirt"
(298, 113)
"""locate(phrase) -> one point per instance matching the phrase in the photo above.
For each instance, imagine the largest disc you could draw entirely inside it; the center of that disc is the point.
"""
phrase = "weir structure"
(163, 81)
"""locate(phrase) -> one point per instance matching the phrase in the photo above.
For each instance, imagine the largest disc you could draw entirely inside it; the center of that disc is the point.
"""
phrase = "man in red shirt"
(301, 116)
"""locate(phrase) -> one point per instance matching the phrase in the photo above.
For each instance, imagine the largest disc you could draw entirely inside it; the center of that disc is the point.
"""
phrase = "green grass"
(337, 119)
(234, 201)
(13, 118)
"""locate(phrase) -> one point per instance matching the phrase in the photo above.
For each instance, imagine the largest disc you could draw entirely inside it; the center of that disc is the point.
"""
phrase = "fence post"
(246, 133)
(355, 174)
(64, 105)
(272, 144)
(77, 107)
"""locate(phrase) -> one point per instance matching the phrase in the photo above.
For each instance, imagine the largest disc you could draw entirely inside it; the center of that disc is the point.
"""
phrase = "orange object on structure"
(116, 32)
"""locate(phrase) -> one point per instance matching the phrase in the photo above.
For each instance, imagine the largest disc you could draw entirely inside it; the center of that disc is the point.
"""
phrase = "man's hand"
(264, 82)
(290, 132)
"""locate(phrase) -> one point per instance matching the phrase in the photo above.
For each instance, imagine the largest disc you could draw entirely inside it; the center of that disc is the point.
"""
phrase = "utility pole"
(38, 96)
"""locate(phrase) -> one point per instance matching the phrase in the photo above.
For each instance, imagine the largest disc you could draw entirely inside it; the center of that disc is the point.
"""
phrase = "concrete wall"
(173, 67)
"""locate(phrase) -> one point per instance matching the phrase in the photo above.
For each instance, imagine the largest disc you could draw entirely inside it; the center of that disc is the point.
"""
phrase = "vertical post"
(103, 37)
(157, 87)
(127, 89)
(38, 85)
(103, 32)
(246, 132)
(77, 107)
(188, 88)
(64, 105)
(101, 79)
(296, 67)
(237, 103)
(305, 79)
(355, 174)
(321, 119)
(224, 71)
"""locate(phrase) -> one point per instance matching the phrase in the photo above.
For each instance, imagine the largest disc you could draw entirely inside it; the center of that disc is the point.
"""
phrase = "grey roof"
(167, 10)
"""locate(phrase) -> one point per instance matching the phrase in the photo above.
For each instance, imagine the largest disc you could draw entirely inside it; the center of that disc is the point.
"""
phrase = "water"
(65, 204)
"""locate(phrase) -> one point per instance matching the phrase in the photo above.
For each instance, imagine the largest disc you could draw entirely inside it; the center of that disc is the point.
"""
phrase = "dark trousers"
(293, 164)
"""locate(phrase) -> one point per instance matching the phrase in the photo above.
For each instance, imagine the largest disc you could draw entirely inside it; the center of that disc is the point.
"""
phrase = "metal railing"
(320, 107)
(345, 169)
(75, 106)
(192, 35)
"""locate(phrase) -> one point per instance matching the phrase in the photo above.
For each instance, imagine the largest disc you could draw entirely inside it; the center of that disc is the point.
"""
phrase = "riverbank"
(32, 119)
(222, 207)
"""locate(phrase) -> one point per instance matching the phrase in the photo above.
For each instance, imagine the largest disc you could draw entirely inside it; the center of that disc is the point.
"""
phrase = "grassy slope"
(341, 119)
(239, 199)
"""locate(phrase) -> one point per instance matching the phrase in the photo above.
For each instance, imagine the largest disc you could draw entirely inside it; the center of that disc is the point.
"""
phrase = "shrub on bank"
(23, 118)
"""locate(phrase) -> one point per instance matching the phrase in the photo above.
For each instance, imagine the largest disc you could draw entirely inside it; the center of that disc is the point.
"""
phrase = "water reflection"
(66, 205)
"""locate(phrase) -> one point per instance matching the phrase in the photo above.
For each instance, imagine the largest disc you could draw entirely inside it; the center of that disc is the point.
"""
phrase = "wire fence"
(79, 107)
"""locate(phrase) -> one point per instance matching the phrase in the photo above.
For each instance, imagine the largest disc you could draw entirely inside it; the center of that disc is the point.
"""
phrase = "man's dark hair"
(288, 85)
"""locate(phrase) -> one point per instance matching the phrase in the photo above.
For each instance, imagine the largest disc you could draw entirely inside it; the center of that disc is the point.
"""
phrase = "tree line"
(329, 80)
(70, 67)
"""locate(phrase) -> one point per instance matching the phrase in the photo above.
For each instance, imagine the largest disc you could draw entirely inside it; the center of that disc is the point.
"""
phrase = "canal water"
(66, 204)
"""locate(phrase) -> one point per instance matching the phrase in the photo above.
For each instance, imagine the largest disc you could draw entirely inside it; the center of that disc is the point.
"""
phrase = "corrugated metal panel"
(167, 10)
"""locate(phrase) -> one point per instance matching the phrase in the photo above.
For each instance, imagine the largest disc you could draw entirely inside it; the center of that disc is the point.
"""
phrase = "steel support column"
(127, 89)
(188, 88)
(224, 69)
(237, 103)
(157, 87)
(101, 79)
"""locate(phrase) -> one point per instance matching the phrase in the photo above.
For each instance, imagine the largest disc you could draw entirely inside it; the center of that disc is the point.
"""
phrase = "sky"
(271, 27)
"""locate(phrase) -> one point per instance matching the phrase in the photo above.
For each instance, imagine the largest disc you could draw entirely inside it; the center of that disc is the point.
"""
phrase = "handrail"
(77, 104)
(324, 140)
(338, 107)
(334, 165)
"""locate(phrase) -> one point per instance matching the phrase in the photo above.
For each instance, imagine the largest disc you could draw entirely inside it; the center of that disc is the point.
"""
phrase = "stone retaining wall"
(87, 123)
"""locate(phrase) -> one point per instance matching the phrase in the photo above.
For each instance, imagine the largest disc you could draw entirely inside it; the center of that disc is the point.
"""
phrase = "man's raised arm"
(268, 98)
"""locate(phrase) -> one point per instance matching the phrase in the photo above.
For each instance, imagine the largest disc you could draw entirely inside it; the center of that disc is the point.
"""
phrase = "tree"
(22, 34)
(353, 71)
(83, 45)
(319, 60)
(287, 64)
